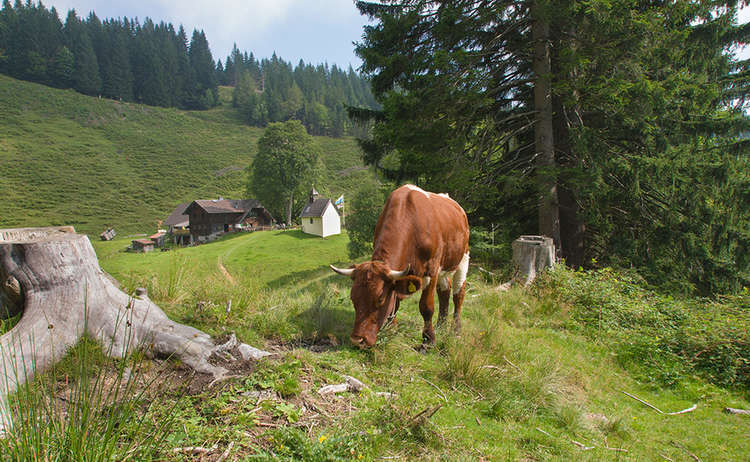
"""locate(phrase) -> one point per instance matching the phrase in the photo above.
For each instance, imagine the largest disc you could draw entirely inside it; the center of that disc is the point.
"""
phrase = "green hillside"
(69, 159)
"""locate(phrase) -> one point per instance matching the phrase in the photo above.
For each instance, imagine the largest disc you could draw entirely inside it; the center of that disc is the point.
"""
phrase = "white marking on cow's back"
(460, 275)
(444, 195)
(418, 189)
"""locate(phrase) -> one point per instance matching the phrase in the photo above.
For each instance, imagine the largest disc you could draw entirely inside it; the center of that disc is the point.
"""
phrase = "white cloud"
(228, 17)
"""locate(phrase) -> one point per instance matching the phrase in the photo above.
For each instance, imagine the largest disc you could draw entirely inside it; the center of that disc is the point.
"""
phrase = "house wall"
(316, 227)
(206, 224)
(331, 221)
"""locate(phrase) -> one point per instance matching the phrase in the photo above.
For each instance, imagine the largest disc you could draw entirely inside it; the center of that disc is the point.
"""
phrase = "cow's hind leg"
(458, 301)
(444, 295)
(459, 290)
(427, 309)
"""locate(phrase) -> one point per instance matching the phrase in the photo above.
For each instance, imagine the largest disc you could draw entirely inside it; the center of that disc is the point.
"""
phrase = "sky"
(315, 31)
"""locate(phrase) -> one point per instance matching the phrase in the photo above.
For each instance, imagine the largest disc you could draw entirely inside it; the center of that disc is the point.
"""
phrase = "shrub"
(659, 336)
(366, 206)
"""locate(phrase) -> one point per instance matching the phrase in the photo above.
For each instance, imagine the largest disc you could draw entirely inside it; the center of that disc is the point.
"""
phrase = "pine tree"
(85, 76)
(8, 27)
(61, 69)
(184, 70)
(206, 92)
(117, 77)
(151, 86)
(620, 90)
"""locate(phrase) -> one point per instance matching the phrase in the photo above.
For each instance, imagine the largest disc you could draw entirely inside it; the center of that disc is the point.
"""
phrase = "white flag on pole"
(339, 202)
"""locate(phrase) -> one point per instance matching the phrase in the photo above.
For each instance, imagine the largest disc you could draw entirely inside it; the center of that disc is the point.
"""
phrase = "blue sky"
(316, 31)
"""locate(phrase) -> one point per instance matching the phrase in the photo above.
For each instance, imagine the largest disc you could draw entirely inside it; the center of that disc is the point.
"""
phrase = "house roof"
(315, 208)
(178, 217)
(227, 205)
(242, 207)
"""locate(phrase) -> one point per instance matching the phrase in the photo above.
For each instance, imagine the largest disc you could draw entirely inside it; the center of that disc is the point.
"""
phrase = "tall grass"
(87, 408)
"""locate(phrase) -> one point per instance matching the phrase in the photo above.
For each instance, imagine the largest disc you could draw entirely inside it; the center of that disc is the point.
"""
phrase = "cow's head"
(375, 289)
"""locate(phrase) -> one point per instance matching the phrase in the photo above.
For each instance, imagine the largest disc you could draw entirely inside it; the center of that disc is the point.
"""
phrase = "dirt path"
(226, 273)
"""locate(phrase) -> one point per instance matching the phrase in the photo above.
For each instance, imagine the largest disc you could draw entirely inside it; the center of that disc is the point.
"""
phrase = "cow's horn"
(343, 272)
(393, 274)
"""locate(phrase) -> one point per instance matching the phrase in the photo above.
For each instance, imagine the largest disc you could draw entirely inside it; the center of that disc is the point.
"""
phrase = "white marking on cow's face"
(426, 281)
(418, 189)
(460, 276)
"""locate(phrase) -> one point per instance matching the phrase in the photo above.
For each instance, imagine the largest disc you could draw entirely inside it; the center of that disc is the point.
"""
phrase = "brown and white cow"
(421, 242)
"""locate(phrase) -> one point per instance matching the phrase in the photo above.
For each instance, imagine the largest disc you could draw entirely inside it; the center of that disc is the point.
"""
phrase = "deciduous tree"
(284, 167)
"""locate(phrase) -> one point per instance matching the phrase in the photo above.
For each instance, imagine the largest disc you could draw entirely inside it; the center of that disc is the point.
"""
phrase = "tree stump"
(53, 277)
(531, 255)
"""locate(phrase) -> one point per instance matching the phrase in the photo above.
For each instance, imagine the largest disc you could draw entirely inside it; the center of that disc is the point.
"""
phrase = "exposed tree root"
(65, 295)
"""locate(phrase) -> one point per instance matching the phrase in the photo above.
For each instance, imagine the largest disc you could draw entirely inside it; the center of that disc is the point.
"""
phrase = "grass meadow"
(528, 378)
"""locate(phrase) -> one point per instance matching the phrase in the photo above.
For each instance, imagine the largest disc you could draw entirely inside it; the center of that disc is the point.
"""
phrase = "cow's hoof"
(424, 347)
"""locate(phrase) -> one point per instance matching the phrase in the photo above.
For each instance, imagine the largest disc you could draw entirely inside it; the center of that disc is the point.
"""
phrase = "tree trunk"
(54, 276)
(572, 227)
(568, 118)
(549, 219)
(531, 255)
(289, 210)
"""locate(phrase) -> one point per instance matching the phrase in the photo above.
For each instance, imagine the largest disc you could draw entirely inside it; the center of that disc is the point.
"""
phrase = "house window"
(311, 221)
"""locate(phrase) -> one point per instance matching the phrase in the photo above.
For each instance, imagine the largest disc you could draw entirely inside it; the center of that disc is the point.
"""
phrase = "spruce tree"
(117, 77)
(623, 93)
(61, 69)
(206, 92)
(85, 76)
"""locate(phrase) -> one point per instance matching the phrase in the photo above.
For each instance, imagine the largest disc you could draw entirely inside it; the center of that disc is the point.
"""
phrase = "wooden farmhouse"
(320, 217)
(209, 219)
(177, 224)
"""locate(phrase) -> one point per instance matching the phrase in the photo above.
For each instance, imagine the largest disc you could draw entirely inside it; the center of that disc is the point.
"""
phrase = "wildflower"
(323, 438)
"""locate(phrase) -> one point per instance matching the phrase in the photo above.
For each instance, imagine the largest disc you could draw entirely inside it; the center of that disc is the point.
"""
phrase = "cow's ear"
(407, 285)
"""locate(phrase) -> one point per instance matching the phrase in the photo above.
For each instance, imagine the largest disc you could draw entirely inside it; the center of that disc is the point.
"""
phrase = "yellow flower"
(359, 456)
(323, 438)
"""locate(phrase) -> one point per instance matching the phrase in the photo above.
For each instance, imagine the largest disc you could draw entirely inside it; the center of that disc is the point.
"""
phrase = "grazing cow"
(421, 242)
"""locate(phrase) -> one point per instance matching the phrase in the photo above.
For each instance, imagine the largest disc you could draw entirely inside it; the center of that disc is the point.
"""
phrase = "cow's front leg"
(427, 309)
